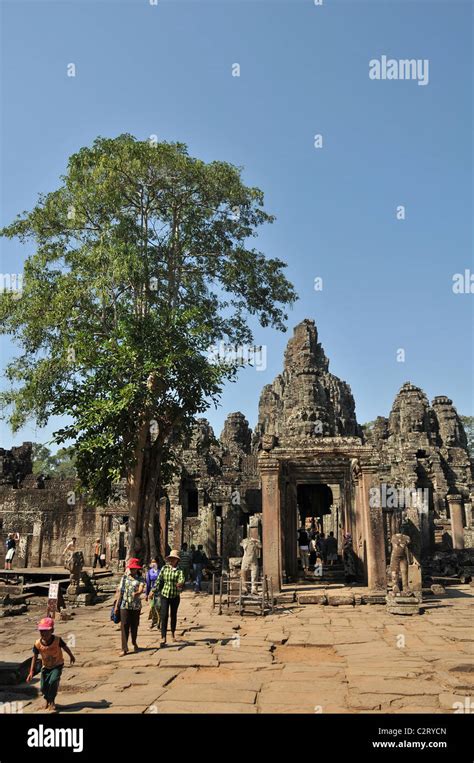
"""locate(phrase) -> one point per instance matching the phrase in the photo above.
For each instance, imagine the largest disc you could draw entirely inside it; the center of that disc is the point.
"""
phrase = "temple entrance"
(314, 501)
(333, 486)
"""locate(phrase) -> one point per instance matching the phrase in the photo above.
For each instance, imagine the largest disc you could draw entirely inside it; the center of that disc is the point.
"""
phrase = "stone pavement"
(303, 659)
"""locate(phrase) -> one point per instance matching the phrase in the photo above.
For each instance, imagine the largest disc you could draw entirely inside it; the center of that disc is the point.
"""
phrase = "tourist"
(12, 540)
(170, 583)
(185, 561)
(192, 550)
(303, 543)
(199, 562)
(153, 594)
(322, 546)
(129, 602)
(98, 555)
(349, 560)
(50, 649)
(312, 552)
(331, 549)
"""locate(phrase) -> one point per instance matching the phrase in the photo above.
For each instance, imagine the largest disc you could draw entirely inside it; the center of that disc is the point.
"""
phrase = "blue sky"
(167, 70)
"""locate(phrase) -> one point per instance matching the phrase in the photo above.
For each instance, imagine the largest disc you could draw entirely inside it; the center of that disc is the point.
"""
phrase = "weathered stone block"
(338, 600)
(312, 598)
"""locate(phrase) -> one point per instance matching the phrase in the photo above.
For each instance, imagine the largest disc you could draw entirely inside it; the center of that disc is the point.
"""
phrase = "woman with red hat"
(50, 649)
(129, 602)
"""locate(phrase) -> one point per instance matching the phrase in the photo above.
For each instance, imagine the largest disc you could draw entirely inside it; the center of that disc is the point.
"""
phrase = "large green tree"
(141, 262)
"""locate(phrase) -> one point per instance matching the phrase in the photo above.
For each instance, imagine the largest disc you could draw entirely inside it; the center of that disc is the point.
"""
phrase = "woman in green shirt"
(170, 583)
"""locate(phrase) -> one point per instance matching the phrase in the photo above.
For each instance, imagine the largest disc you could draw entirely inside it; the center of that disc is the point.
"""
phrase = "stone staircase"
(330, 575)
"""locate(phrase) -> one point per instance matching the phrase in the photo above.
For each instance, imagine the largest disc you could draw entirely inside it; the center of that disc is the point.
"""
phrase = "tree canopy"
(142, 263)
(59, 464)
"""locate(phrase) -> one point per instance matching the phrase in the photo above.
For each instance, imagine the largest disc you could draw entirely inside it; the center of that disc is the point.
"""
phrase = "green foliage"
(141, 263)
(59, 464)
(468, 424)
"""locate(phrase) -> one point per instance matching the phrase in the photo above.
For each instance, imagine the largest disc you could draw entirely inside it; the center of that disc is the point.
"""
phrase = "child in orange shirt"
(49, 648)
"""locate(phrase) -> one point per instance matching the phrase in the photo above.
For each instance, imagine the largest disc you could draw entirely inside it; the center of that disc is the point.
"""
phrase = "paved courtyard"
(303, 659)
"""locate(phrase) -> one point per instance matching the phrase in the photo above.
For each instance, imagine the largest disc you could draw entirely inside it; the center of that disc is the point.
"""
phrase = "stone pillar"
(231, 532)
(271, 519)
(468, 510)
(357, 526)
(374, 533)
(457, 527)
(207, 531)
(36, 543)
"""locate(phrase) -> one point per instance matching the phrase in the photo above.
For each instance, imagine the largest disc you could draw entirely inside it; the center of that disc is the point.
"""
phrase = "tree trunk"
(144, 487)
(135, 494)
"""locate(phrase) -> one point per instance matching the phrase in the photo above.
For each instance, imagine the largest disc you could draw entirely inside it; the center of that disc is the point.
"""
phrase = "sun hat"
(134, 564)
(46, 624)
(173, 554)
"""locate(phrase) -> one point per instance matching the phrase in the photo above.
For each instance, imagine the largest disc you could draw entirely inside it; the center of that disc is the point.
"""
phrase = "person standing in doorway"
(170, 584)
(129, 602)
(322, 547)
(303, 543)
(199, 562)
(349, 559)
(331, 549)
(312, 551)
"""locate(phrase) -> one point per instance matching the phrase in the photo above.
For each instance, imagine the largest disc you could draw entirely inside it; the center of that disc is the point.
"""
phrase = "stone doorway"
(314, 501)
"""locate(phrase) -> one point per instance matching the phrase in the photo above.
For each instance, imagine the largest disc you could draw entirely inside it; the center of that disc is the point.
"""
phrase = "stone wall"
(216, 490)
(48, 518)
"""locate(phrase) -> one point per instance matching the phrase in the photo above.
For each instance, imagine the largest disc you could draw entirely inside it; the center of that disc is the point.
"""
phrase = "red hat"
(134, 564)
(46, 624)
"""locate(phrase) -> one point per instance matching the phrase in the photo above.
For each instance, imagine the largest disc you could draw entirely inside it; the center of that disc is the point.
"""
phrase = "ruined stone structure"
(47, 518)
(307, 458)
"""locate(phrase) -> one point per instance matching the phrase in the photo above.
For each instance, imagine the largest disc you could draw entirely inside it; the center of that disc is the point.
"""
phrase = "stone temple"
(307, 457)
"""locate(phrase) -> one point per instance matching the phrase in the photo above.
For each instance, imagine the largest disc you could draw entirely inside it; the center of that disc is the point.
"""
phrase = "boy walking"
(50, 649)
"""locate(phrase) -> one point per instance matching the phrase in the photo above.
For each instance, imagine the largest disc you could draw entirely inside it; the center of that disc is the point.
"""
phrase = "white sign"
(53, 592)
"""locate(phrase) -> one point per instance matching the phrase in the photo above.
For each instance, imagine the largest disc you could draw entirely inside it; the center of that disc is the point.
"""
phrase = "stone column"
(207, 530)
(468, 510)
(457, 528)
(36, 543)
(271, 519)
(374, 539)
(231, 532)
(357, 526)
